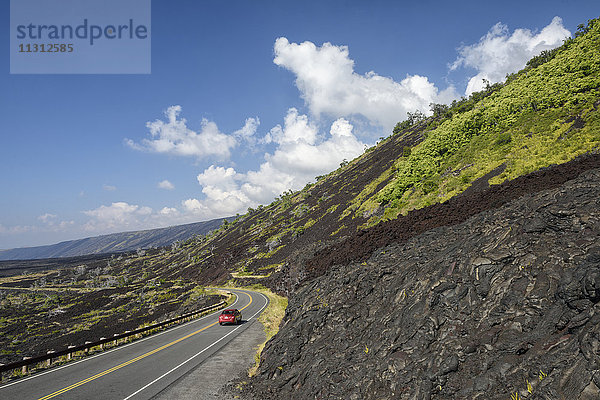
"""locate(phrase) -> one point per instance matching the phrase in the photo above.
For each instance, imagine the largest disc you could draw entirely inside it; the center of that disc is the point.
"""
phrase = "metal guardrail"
(88, 345)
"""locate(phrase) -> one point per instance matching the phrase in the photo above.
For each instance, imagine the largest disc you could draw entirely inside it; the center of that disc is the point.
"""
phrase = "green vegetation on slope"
(544, 114)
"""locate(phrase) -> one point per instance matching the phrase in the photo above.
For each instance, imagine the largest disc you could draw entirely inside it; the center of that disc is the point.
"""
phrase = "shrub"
(503, 138)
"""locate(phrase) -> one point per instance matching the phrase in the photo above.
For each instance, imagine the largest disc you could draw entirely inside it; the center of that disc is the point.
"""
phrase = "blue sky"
(245, 100)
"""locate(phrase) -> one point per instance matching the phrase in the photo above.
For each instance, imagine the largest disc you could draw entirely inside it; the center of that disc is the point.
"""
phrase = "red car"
(230, 316)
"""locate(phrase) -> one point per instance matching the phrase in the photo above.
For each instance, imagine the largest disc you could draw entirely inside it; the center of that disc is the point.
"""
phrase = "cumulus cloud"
(225, 177)
(499, 53)
(166, 185)
(174, 137)
(328, 84)
(301, 153)
(194, 206)
(51, 224)
(169, 211)
(221, 187)
(248, 130)
(47, 218)
(118, 215)
(65, 224)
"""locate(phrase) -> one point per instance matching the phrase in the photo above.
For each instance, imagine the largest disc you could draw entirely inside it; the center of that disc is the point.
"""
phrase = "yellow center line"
(108, 371)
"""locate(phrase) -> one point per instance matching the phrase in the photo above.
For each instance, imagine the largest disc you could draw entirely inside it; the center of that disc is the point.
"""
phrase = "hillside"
(113, 243)
(505, 302)
(476, 275)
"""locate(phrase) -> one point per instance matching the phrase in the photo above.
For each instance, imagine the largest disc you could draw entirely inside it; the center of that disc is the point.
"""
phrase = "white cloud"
(49, 224)
(301, 154)
(499, 53)
(17, 229)
(174, 137)
(195, 206)
(65, 224)
(297, 130)
(223, 196)
(47, 218)
(119, 215)
(166, 185)
(109, 188)
(248, 130)
(328, 84)
(224, 177)
(169, 211)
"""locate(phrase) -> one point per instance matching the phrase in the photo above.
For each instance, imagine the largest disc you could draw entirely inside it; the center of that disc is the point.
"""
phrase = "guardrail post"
(127, 338)
(87, 349)
(24, 367)
(70, 355)
(1, 373)
(103, 344)
(49, 361)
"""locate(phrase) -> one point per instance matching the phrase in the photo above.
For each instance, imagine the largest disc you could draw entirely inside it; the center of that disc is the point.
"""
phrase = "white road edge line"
(115, 349)
(197, 354)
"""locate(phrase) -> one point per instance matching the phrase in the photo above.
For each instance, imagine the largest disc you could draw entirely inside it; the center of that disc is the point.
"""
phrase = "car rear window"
(228, 312)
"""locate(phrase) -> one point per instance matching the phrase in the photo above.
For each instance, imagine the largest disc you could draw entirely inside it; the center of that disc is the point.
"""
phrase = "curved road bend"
(141, 369)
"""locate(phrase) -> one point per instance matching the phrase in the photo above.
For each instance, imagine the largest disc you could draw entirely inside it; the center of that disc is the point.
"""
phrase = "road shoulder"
(208, 380)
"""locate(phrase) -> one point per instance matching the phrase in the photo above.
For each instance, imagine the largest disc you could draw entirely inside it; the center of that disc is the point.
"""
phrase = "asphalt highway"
(141, 369)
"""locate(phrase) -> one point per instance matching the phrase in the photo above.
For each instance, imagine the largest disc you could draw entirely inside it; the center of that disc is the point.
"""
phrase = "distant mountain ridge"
(114, 242)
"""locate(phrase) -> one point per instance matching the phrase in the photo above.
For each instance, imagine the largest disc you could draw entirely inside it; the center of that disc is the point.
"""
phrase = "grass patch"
(247, 275)
(271, 319)
(366, 199)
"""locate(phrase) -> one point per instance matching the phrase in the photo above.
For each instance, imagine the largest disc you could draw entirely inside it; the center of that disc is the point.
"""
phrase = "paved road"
(142, 369)
(216, 377)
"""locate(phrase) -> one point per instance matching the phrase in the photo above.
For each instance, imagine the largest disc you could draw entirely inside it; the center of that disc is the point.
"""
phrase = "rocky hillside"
(504, 304)
(473, 277)
(114, 243)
